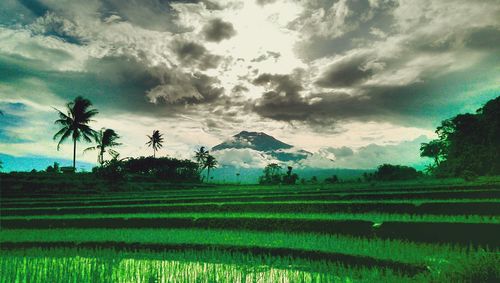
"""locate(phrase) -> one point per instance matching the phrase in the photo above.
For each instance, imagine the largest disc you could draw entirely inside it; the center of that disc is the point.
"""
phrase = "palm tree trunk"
(154, 153)
(74, 154)
(208, 175)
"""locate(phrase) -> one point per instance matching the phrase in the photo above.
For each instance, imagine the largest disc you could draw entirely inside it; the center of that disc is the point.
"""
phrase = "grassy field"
(410, 232)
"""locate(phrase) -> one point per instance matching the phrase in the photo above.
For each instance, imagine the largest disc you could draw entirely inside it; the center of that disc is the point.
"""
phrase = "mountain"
(265, 144)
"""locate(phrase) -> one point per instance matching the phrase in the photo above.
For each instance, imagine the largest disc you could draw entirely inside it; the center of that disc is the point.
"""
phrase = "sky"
(359, 82)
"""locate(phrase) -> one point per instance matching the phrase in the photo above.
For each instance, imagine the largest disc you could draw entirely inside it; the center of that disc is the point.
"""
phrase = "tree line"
(74, 123)
(467, 144)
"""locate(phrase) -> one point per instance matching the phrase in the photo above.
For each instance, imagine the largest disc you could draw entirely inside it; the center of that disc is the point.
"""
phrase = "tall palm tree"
(75, 123)
(210, 163)
(155, 141)
(201, 156)
(105, 139)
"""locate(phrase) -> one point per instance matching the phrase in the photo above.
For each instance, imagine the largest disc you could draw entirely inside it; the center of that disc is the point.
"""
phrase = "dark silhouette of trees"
(314, 180)
(155, 141)
(105, 140)
(201, 156)
(389, 172)
(289, 178)
(272, 174)
(53, 168)
(210, 163)
(75, 123)
(332, 180)
(433, 149)
(149, 168)
(468, 144)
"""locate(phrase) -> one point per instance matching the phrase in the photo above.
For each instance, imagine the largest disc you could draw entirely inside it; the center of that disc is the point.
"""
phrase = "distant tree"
(105, 140)
(1, 164)
(314, 180)
(210, 163)
(75, 123)
(53, 169)
(389, 172)
(201, 156)
(367, 177)
(434, 149)
(155, 141)
(290, 178)
(332, 180)
(272, 174)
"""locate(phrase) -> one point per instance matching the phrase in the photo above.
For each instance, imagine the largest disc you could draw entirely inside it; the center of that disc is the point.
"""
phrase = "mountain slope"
(265, 144)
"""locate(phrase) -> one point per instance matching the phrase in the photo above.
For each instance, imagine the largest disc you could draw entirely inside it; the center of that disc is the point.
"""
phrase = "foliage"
(467, 143)
(210, 162)
(289, 178)
(272, 175)
(75, 123)
(53, 169)
(112, 170)
(201, 156)
(105, 139)
(163, 168)
(332, 180)
(155, 141)
(388, 172)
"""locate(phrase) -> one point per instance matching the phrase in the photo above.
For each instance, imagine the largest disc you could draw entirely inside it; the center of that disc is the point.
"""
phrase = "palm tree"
(210, 163)
(75, 123)
(201, 156)
(1, 164)
(155, 141)
(105, 139)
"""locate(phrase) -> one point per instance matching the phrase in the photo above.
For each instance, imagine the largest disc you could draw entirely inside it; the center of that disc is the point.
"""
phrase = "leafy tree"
(210, 163)
(434, 149)
(155, 141)
(272, 174)
(468, 143)
(105, 139)
(53, 169)
(75, 123)
(290, 178)
(314, 180)
(388, 172)
(332, 180)
(200, 157)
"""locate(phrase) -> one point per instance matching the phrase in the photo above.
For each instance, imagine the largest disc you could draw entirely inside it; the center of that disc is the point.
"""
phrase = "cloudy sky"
(357, 81)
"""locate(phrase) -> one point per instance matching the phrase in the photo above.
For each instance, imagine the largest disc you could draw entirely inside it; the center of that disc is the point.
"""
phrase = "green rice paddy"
(275, 234)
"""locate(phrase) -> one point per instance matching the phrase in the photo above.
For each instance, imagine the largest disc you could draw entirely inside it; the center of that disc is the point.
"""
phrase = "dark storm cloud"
(423, 103)
(217, 30)
(346, 72)
(335, 32)
(36, 7)
(484, 38)
(194, 54)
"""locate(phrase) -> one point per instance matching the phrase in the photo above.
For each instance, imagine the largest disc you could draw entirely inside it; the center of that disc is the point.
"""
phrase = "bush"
(388, 172)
